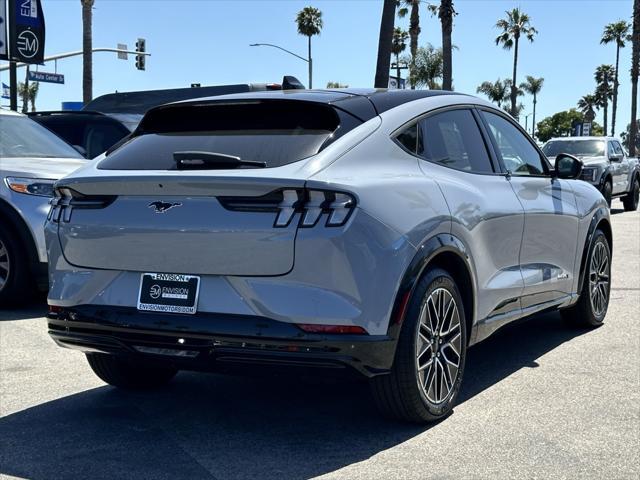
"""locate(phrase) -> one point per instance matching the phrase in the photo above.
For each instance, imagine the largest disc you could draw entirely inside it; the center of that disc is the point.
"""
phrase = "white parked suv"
(31, 159)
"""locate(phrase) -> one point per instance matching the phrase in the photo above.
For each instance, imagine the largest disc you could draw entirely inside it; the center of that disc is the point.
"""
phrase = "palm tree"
(587, 105)
(533, 86)
(616, 32)
(87, 55)
(28, 92)
(414, 26)
(309, 21)
(495, 91)
(604, 89)
(398, 45)
(445, 12)
(428, 68)
(516, 25)
(385, 40)
(635, 71)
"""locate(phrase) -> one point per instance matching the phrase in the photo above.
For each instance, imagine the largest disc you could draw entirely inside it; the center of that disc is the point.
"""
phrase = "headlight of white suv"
(41, 187)
(589, 174)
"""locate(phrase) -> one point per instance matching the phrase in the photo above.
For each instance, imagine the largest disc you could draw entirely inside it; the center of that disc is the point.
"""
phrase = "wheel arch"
(599, 221)
(443, 251)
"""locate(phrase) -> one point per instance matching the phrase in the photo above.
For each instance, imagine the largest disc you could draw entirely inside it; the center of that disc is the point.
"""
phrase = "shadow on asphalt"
(36, 310)
(210, 426)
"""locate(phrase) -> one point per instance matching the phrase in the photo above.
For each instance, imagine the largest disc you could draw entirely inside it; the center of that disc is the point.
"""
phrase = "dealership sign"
(3, 31)
(46, 77)
(26, 31)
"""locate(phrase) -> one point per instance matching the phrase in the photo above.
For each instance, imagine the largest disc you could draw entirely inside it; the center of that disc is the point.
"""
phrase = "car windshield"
(22, 137)
(581, 148)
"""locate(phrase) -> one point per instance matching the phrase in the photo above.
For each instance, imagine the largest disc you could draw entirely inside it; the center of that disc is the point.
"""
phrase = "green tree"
(428, 67)
(87, 51)
(29, 93)
(604, 89)
(414, 26)
(588, 104)
(626, 139)
(617, 32)
(516, 25)
(533, 86)
(385, 40)
(309, 21)
(398, 45)
(635, 71)
(496, 91)
(560, 125)
(337, 85)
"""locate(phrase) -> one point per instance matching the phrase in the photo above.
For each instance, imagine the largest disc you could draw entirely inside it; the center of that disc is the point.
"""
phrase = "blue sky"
(208, 42)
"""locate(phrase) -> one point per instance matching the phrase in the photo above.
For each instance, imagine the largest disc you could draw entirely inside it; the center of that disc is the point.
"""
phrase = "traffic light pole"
(67, 55)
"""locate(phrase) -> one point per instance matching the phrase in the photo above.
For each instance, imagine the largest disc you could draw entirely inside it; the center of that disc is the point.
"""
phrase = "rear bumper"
(216, 342)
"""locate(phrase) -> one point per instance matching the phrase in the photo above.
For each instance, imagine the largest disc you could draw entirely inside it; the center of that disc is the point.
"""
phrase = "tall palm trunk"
(384, 44)
(514, 91)
(635, 71)
(310, 62)
(87, 55)
(25, 92)
(446, 19)
(605, 108)
(414, 31)
(614, 106)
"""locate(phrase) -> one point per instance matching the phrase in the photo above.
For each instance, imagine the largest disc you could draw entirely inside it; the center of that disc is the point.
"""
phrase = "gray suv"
(606, 166)
(378, 232)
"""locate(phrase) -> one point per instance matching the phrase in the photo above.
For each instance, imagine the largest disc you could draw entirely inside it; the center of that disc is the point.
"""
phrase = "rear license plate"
(169, 293)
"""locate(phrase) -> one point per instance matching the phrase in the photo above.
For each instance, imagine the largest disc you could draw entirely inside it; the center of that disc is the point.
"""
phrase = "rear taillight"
(66, 199)
(331, 208)
(313, 205)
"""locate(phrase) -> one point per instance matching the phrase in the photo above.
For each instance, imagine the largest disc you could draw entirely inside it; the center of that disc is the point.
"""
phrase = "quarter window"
(519, 156)
(453, 139)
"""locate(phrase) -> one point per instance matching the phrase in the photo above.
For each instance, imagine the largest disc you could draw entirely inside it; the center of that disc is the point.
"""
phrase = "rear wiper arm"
(195, 160)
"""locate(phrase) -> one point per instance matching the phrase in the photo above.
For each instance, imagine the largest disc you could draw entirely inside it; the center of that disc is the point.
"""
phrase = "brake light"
(313, 204)
(340, 329)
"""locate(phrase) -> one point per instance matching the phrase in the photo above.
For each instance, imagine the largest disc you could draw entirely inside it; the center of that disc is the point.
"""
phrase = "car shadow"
(211, 426)
(34, 310)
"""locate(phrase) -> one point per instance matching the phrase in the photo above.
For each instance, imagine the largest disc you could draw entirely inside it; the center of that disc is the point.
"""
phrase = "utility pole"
(13, 86)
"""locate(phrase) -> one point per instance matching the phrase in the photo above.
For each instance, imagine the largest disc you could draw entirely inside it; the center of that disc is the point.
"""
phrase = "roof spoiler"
(290, 82)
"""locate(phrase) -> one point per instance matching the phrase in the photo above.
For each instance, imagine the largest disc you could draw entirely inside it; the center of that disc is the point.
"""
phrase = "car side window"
(408, 138)
(617, 148)
(453, 139)
(612, 150)
(519, 156)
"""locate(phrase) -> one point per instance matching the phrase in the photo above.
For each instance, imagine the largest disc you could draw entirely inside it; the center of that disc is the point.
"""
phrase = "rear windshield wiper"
(195, 160)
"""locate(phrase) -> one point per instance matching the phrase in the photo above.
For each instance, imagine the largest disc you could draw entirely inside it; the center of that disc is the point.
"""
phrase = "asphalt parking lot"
(540, 400)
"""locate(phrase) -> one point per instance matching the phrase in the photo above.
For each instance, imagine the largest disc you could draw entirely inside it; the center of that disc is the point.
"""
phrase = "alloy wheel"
(438, 345)
(4, 265)
(599, 270)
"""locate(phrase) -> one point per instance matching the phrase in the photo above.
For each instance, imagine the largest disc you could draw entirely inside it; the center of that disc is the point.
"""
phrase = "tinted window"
(617, 148)
(100, 137)
(519, 156)
(274, 132)
(22, 137)
(408, 138)
(453, 139)
(580, 148)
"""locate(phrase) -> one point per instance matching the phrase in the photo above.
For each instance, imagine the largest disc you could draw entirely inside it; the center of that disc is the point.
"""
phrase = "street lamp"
(308, 60)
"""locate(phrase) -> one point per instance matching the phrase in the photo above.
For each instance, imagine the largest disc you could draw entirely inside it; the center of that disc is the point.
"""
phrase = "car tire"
(630, 201)
(414, 390)
(128, 374)
(592, 305)
(16, 282)
(607, 192)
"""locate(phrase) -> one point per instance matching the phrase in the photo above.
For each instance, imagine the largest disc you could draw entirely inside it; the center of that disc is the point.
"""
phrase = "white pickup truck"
(607, 166)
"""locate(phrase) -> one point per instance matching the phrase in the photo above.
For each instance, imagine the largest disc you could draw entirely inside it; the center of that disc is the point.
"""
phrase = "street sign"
(26, 31)
(396, 83)
(46, 77)
(5, 91)
(3, 31)
(586, 129)
(123, 55)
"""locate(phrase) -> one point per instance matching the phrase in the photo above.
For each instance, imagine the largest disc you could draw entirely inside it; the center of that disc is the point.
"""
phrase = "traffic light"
(141, 49)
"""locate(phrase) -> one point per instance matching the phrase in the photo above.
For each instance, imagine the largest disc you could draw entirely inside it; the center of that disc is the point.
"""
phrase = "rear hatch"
(197, 190)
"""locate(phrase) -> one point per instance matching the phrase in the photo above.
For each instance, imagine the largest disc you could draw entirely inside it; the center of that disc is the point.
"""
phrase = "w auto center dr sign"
(25, 21)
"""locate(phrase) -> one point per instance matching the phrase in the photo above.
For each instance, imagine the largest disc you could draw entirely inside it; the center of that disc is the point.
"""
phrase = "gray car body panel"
(520, 237)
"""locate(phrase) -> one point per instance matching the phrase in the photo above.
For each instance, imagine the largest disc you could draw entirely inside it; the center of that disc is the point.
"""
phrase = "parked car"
(107, 119)
(375, 231)
(31, 160)
(608, 167)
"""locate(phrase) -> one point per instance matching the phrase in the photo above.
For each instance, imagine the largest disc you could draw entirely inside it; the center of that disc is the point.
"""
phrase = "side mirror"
(615, 158)
(568, 166)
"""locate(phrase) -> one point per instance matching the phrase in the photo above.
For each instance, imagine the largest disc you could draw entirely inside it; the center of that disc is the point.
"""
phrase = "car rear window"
(276, 132)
